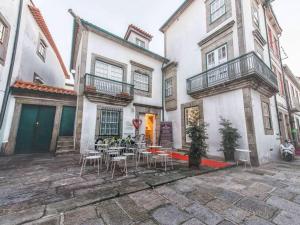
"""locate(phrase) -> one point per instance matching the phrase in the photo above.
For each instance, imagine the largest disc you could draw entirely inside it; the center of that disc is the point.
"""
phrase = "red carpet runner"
(205, 162)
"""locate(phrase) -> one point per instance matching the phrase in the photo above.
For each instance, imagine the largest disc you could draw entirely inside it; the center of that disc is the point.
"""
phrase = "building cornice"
(217, 33)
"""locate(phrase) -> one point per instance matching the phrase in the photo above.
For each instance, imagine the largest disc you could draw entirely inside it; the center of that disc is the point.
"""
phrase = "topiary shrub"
(230, 136)
(197, 132)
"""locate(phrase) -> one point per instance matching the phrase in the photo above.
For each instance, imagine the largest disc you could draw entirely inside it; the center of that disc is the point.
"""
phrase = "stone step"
(65, 143)
(65, 138)
(64, 151)
(59, 147)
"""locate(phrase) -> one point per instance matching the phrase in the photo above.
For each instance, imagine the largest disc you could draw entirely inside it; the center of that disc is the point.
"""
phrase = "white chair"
(243, 155)
(117, 160)
(92, 158)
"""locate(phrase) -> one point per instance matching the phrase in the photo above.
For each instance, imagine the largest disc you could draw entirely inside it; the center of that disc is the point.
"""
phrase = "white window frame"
(217, 9)
(110, 124)
(139, 83)
(140, 43)
(42, 49)
(267, 116)
(169, 87)
(216, 57)
(2, 31)
(111, 71)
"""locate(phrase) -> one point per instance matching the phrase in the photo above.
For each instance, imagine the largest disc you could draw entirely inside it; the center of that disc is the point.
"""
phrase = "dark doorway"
(67, 121)
(35, 129)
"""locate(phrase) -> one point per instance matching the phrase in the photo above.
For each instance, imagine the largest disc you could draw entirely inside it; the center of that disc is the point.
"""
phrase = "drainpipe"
(11, 67)
(269, 52)
(163, 91)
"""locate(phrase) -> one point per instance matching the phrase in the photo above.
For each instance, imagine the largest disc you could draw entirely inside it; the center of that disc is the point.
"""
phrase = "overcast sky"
(116, 15)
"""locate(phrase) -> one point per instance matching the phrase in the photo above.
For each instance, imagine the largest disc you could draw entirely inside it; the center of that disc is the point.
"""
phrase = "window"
(217, 57)
(141, 81)
(109, 71)
(4, 38)
(110, 123)
(168, 87)
(140, 43)
(42, 49)
(256, 17)
(2, 32)
(190, 114)
(267, 115)
(37, 79)
(217, 9)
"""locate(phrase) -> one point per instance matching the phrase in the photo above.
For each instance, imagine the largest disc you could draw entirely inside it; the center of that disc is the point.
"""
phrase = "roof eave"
(111, 36)
(175, 15)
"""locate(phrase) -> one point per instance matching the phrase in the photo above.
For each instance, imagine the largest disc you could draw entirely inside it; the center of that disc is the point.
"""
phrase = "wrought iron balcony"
(108, 91)
(238, 69)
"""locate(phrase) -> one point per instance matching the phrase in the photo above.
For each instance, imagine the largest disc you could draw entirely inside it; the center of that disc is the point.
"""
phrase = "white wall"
(110, 49)
(265, 142)
(230, 106)
(9, 9)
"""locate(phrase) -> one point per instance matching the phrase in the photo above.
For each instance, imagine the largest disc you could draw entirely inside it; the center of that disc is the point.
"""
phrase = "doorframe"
(19, 101)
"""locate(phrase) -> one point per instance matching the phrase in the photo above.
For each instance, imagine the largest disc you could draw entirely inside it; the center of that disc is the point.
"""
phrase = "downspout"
(269, 52)
(163, 91)
(286, 96)
(11, 67)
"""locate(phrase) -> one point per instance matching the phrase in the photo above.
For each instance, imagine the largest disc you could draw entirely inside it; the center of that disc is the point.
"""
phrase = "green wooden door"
(35, 129)
(67, 121)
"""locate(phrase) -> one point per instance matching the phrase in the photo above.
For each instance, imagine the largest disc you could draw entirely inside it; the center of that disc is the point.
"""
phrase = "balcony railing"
(103, 86)
(247, 65)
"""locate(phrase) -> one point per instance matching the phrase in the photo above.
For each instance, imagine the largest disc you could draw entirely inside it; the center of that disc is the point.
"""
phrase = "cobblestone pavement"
(47, 190)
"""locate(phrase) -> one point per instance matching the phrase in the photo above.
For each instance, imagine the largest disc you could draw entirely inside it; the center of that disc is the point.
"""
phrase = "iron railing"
(246, 65)
(96, 84)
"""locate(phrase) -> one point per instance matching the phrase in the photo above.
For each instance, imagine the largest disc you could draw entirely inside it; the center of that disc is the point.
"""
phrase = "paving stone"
(260, 208)
(228, 196)
(160, 179)
(67, 181)
(22, 216)
(226, 222)
(204, 214)
(147, 222)
(193, 221)
(132, 187)
(286, 218)
(200, 196)
(218, 205)
(170, 215)
(80, 201)
(254, 220)
(283, 193)
(148, 199)
(284, 204)
(174, 197)
(133, 211)
(47, 220)
(297, 199)
(258, 190)
(235, 214)
(112, 214)
(76, 186)
(80, 215)
(184, 186)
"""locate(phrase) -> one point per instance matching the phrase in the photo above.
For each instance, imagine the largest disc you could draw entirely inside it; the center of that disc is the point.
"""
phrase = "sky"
(116, 15)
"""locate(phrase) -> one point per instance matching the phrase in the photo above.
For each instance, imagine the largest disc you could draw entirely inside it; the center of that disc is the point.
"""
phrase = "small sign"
(166, 134)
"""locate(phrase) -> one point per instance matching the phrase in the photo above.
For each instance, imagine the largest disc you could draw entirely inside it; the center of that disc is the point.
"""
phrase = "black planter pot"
(229, 156)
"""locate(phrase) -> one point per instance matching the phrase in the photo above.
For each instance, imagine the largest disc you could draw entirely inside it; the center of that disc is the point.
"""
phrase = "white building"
(35, 75)
(224, 42)
(117, 79)
(217, 61)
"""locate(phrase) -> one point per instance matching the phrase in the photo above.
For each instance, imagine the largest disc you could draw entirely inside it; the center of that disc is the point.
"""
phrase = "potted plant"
(230, 137)
(197, 132)
(90, 89)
